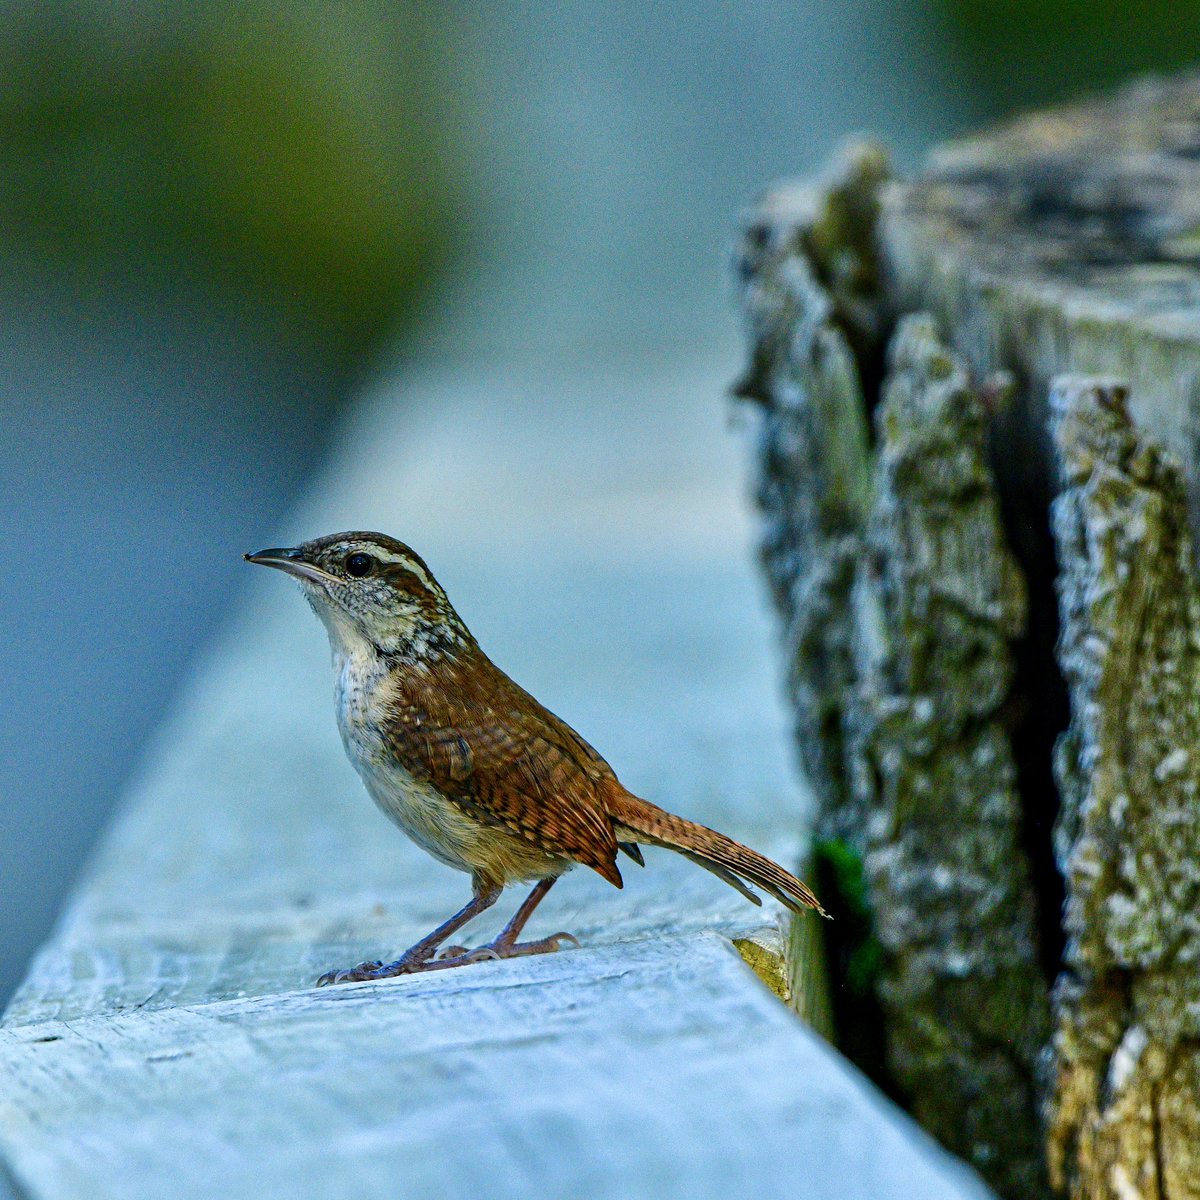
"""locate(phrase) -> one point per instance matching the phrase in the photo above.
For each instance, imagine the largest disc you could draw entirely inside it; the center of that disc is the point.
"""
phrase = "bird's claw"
(364, 970)
(464, 954)
(374, 969)
(450, 956)
(482, 954)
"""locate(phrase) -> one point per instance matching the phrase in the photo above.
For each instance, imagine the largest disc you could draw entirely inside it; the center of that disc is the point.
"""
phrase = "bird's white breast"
(436, 824)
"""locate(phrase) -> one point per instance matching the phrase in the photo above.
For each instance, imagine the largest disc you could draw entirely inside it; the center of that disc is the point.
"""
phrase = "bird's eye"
(359, 564)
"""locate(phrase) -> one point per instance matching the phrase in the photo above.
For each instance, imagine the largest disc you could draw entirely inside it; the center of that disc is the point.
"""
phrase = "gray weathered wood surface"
(167, 1042)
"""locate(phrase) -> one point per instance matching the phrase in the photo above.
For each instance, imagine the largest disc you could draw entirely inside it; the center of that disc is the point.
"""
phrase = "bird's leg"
(418, 957)
(505, 945)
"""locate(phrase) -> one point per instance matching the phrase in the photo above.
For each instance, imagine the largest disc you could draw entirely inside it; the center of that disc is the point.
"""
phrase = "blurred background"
(217, 220)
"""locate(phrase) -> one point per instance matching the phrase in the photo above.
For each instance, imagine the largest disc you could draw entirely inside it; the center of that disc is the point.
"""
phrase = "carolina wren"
(470, 765)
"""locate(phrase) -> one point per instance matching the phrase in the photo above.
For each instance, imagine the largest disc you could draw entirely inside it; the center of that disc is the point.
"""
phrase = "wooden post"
(934, 665)
(901, 601)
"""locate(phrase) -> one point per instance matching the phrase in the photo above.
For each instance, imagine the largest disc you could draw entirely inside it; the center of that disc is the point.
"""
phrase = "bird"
(469, 765)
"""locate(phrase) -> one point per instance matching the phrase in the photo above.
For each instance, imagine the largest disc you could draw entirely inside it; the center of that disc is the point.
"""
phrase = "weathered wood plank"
(568, 1076)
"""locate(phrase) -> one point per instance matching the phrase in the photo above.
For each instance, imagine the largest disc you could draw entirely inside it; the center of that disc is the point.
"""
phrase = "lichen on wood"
(1125, 1117)
(937, 601)
(763, 952)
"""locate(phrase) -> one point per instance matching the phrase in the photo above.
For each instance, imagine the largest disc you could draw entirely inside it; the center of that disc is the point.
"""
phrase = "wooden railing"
(168, 1042)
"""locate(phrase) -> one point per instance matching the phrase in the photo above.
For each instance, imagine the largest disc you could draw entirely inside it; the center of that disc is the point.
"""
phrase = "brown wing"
(491, 749)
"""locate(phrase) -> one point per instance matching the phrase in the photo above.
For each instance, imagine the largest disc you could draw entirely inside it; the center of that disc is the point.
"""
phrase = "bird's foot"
(406, 964)
(460, 956)
(451, 956)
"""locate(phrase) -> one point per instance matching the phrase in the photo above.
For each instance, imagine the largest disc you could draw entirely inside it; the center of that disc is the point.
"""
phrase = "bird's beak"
(292, 561)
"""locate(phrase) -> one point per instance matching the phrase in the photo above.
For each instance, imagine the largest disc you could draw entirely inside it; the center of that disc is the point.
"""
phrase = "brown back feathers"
(496, 753)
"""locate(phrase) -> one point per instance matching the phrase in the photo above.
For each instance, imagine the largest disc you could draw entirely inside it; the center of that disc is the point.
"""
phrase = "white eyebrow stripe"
(402, 560)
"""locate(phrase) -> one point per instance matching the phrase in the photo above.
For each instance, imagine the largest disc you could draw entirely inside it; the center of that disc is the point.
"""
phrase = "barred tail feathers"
(638, 820)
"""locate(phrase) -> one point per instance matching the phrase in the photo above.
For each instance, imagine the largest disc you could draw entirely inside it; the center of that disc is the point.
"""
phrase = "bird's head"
(369, 589)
